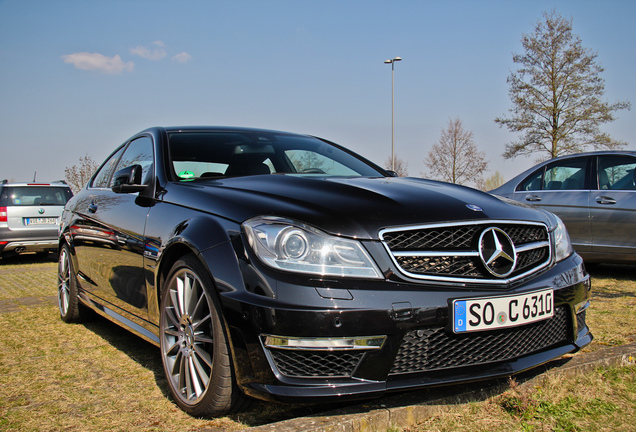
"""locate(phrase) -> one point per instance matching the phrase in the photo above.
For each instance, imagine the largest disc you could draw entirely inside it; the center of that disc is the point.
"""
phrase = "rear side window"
(34, 196)
(617, 173)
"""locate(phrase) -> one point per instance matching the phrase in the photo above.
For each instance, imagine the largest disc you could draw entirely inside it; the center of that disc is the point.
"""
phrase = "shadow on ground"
(262, 413)
(613, 271)
(28, 258)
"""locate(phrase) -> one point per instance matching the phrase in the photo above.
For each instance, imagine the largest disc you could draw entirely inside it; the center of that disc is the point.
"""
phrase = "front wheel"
(194, 348)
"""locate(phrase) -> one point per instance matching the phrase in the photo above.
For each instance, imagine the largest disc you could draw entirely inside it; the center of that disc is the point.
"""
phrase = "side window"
(533, 182)
(616, 173)
(102, 178)
(566, 175)
(138, 152)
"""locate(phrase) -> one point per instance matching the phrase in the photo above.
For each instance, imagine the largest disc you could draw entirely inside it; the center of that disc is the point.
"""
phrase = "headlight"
(562, 244)
(291, 246)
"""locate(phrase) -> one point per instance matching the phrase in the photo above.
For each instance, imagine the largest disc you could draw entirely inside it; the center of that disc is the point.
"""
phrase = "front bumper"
(418, 349)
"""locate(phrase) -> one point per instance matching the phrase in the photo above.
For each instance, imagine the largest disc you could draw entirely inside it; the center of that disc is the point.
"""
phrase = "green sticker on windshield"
(186, 174)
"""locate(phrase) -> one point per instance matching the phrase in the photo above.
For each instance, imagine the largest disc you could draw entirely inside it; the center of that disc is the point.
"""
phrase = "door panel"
(563, 189)
(613, 206)
(109, 232)
(571, 207)
(117, 251)
(614, 221)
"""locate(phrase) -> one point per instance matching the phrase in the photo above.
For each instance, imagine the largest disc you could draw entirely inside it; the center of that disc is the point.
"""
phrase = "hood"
(357, 207)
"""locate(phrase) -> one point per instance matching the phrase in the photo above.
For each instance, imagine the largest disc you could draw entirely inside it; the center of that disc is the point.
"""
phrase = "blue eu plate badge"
(460, 316)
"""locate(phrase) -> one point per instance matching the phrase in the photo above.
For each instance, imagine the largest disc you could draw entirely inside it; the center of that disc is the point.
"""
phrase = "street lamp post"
(392, 63)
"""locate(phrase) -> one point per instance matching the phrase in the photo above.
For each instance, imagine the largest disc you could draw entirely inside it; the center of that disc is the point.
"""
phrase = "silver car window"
(617, 173)
(567, 175)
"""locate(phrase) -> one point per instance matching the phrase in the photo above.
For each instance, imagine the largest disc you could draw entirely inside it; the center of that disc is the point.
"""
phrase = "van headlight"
(295, 247)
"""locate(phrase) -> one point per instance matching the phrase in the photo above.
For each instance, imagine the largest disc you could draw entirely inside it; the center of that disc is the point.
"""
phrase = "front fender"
(172, 234)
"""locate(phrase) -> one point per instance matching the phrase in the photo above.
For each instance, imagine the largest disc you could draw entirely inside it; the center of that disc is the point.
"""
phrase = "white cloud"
(147, 53)
(182, 57)
(98, 62)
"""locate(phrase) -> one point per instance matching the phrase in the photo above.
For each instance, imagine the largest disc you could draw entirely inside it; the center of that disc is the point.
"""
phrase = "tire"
(71, 311)
(194, 348)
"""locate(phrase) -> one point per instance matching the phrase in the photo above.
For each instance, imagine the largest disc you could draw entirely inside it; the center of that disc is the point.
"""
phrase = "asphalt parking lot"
(28, 283)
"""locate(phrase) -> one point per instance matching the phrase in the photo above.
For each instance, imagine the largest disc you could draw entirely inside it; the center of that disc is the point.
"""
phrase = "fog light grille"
(316, 364)
(434, 349)
(580, 321)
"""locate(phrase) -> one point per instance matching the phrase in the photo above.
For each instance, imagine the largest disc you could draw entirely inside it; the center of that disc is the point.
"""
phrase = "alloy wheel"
(63, 281)
(187, 342)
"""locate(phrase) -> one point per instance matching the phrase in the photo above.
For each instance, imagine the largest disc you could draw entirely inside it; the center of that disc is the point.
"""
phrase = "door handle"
(605, 200)
(533, 198)
(92, 208)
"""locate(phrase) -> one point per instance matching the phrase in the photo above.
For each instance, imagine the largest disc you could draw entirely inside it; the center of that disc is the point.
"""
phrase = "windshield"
(34, 196)
(229, 154)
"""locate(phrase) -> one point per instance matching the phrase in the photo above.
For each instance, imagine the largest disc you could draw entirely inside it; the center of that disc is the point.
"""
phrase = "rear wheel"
(194, 347)
(67, 289)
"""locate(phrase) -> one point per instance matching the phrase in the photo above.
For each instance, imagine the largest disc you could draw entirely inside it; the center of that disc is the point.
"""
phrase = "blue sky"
(80, 77)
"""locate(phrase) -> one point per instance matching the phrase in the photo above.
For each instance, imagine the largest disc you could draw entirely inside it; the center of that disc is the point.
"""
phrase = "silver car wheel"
(68, 289)
(63, 281)
(187, 342)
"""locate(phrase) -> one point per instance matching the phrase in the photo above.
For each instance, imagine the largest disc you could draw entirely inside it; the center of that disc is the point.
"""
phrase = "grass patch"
(55, 376)
(28, 275)
(601, 400)
(612, 314)
(87, 377)
(96, 376)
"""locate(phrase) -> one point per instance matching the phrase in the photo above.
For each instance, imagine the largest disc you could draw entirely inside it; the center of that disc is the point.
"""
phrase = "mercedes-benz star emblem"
(497, 252)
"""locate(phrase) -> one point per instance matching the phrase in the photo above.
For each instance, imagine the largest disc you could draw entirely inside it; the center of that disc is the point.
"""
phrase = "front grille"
(440, 265)
(434, 349)
(457, 252)
(438, 238)
(316, 364)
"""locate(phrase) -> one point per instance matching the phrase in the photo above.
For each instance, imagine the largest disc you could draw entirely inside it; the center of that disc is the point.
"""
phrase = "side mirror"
(128, 180)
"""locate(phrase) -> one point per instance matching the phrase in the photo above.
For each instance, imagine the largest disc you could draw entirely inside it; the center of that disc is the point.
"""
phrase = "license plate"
(491, 313)
(41, 221)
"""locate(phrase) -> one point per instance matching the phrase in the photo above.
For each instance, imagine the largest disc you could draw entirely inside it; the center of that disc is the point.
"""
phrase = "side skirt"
(148, 334)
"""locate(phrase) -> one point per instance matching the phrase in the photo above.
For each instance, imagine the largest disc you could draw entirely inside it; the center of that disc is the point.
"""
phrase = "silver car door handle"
(605, 200)
(92, 208)
(533, 198)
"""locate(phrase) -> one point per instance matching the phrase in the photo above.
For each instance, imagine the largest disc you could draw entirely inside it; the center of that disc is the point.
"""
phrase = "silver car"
(595, 196)
(30, 216)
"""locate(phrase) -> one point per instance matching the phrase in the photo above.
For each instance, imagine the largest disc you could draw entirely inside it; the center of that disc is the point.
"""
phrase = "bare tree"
(492, 182)
(78, 175)
(455, 157)
(557, 95)
(401, 166)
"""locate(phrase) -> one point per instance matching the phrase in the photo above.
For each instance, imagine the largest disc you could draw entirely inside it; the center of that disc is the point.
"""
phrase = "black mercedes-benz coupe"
(284, 267)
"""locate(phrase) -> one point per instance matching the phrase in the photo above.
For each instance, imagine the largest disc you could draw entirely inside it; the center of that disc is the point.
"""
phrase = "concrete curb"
(396, 414)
